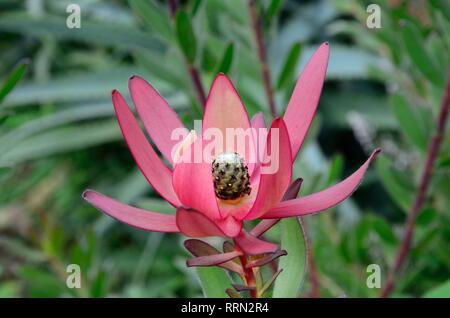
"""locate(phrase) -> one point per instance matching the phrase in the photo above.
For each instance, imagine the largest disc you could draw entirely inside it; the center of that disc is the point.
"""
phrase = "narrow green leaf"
(112, 34)
(287, 72)
(98, 286)
(294, 264)
(441, 291)
(79, 87)
(185, 35)
(63, 117)
(227, 60)
(411, 123)
(20, 250)
(62, 140)
(419, 56)
(12, 79)
(273, 9)
(209, 60)
(153, 16)
(214, 281)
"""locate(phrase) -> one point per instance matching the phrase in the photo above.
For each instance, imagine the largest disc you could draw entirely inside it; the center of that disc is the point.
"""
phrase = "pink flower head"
(214, 197)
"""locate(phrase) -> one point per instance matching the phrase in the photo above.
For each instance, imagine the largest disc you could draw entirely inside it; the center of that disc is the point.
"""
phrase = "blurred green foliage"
(58, 135)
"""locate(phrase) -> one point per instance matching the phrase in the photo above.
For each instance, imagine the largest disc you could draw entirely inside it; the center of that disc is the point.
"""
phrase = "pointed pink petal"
(154, 170)
(272, 186)
(305, 98)
(265, 225)
(159, 119)
(224, 109)
(194, 224)
(322, 200)
(193, 182)
(211, 260)
(142, 219)
(254, 246)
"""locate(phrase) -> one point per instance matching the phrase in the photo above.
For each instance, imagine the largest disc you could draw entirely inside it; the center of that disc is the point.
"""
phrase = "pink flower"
(197, 191)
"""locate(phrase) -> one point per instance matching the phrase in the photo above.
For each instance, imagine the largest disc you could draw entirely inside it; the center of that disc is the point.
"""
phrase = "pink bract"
(189, 186)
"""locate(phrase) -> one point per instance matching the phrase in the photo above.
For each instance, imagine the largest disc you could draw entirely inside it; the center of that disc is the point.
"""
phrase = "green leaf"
(414, 43)
(293, 265)
(41, 283)
(441, 291)
(62, 140)
(287, 72)
(384, 230)
(97, 289)
(81, 87)
(227, 60)
(112, 34)
(426, 216)
(154, 16)
(20, 250)
(398, 185)
(214, 281)
(411, 123)
(12, 79)
(66, 116)
(185, 35)
(72, 87)
(273, 9)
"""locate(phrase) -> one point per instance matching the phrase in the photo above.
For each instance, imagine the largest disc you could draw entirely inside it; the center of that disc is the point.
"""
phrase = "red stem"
(315, 287)
(249, 275)
(196, 81)
(256, 23)
(421, 193)
(193, 71)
